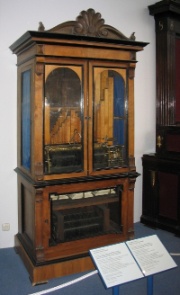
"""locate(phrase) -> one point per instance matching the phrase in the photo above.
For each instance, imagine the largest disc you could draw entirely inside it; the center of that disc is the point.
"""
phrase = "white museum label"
(116, 264)
(151, 255)
(125, 262)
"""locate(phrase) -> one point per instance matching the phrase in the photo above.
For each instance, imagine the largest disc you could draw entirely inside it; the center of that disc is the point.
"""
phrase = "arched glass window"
(110, 120)
(63, 121)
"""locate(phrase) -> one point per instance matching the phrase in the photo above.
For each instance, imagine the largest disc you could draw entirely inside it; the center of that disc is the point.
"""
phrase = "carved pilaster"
(39, 249)
(39, 68)
(165, 83)
(165, 61)
(131, 73)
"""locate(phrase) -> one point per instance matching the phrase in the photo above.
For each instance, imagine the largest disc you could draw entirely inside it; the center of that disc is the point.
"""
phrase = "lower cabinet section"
(161, 193)
(85, 214)
(60, 221)
(40, 274)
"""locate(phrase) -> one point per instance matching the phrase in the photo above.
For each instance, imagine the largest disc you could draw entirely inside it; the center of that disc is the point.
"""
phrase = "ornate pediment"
(89, 23)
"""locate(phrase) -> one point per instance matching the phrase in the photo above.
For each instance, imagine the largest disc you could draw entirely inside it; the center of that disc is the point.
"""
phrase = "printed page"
(151, 255)
(116, 264)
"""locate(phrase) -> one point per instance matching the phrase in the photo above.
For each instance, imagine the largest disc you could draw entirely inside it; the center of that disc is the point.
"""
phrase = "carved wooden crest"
(88, 23)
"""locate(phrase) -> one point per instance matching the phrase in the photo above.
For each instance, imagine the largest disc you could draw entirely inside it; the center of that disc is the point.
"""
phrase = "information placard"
(151, 255)
(128, 261)
(116, 264)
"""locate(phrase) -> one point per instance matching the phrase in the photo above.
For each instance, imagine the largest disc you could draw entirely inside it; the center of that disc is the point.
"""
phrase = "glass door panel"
(26, 120)
(109, 118)
(63, 134)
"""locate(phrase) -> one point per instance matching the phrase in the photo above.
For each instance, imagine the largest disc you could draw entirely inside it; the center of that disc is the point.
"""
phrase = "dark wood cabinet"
(161, 171)
(161, 193)
(76, 167)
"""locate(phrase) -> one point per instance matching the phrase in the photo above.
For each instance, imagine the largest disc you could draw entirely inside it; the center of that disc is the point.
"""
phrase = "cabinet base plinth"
(155, 224)
(41, 274)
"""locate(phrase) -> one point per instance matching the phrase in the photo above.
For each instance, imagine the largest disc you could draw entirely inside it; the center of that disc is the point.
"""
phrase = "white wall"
(19, 16)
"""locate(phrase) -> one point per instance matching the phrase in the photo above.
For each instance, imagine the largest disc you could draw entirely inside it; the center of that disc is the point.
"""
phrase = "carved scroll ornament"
(88, 23)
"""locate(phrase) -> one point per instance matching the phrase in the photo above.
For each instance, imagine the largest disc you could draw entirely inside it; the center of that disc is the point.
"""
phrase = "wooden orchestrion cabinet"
(76, 167)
